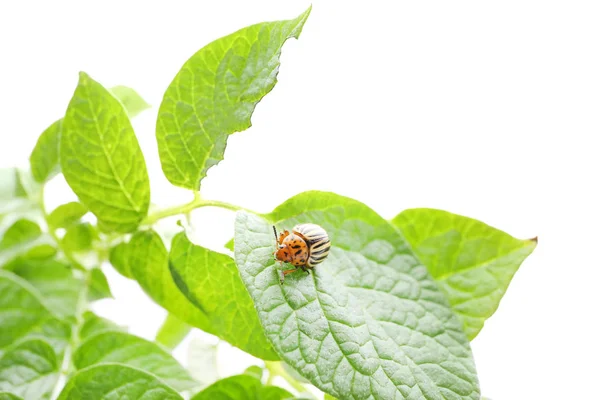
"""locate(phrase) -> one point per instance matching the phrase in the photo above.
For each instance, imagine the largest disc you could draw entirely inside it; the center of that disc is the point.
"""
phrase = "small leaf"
(55, 282)
(79, 237)
(93, 324)
(131, 100)
(29, 369)
(24, 315)
(472, 262)
(23, 230)
(172, 332)
(66, 215)
(241, 387)
(121, 347)
(214, 95)
(119, 259)
(229, 245)
(329, 397)
(254, 371)
(210, 280)
(369, 321)
(99, 288)
(44, 158)
(101, 158)
(104, 382)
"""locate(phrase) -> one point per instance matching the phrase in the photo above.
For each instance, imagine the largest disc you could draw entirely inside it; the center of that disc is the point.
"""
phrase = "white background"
(487, 109)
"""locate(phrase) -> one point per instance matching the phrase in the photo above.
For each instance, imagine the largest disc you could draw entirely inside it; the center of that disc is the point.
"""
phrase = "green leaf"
(329, 397)
(241, 387)
(101, 158)
(44, 159)
(255, 371)
(214, 95)
(210, 280)
(148, 261)
(119, 259)
(107, 381)
(9, 396)
(93, 324)
(66, 215)
(29, 369)
(79, 237)
(229, 245)
(131, 100)
(54, 281)
(369, 320)
(172, 332)
(24, 315)
(472, 262)
(121, 347)
(23, 230)
(99, 288)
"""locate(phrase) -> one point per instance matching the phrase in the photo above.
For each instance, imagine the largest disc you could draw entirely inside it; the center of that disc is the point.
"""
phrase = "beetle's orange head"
(283, 253)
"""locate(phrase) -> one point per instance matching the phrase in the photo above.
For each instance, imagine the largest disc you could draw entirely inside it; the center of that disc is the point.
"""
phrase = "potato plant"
(389, 314)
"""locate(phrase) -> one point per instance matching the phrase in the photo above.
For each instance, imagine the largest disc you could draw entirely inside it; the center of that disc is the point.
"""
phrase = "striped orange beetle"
(306, 246)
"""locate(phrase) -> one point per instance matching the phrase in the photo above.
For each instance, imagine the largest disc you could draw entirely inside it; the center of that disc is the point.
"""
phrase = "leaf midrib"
(104, 150)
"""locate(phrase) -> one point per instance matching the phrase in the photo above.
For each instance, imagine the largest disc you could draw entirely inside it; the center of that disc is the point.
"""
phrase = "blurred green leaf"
(119, 259)
(99, 288)
(121, 347)
(66, 215)
(44, 160)
(79, 237)
(24, 315)
(131, 100)
(172, 332)
(105, 381)
(93, 324)
(214, 95)
(9, 396)
(55, 282)
(102, 160)
(19, 232)
(472, 262)
(29, 369)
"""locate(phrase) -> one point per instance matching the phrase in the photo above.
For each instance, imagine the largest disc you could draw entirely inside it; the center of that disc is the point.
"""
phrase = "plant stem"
(197, 202)
(275, 369)
(74, 263)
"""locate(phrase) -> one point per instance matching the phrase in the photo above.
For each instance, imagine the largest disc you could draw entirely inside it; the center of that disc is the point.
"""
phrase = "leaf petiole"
(197, 202)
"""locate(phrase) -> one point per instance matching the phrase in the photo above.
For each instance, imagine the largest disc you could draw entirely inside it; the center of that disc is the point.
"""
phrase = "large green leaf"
(210, 280)
(29, 369)
(44, 157)
(472, 262)
(55, 282)
(214, 95)
(24, 315)
(369, 321)
(242, 387)
(116, 381)
(121, 347)
(101, 158)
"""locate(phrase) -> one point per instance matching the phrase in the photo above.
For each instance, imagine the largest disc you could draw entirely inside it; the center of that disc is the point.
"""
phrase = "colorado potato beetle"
(306, 246)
